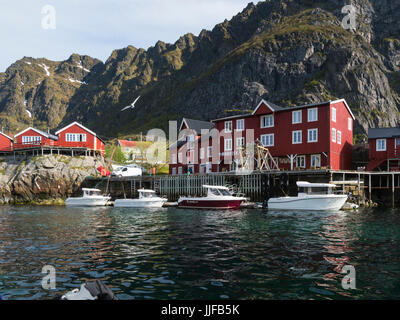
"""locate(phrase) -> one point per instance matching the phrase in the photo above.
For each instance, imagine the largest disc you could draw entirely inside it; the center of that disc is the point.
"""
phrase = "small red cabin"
(6, 142)
(75, 135)
(31, 137)
(384, 149)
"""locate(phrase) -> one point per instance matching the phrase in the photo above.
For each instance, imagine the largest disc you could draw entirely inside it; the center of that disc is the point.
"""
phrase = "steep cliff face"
(44, 179)
(40, 88)
(288, 52)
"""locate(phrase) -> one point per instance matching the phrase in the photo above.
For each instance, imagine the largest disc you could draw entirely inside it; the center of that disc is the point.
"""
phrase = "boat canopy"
(146, 190)
(216, 187)
(94, 190)
(304, 184)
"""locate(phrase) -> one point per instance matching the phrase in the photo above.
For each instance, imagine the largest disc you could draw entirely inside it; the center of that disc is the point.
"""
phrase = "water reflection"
(179, 254)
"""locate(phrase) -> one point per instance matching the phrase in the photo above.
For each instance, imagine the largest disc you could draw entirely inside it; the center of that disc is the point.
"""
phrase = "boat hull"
(87, 202)
(316, 203)
(139, 203)
(210, 204)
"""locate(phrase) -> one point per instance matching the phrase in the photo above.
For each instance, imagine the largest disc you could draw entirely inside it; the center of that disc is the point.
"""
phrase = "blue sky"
(96, 27)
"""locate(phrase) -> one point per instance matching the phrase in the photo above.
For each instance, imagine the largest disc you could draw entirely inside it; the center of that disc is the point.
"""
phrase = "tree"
(118, 156)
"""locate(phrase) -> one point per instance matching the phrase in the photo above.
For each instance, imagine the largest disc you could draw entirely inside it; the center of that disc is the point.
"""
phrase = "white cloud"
(96, 27)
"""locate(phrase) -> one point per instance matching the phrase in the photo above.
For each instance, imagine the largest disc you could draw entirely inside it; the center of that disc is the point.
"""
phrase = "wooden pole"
(393, 190)
(370, 188)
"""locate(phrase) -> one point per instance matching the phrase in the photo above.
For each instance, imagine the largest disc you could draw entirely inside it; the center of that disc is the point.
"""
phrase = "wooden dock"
(365, 187)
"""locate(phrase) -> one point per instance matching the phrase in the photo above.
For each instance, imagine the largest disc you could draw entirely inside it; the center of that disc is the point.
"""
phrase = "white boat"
(147, 199)
(90, 198)
(218, 197)
(311, 196)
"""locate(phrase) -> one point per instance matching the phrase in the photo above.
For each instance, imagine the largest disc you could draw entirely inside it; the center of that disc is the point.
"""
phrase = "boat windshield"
(315, 190)
(92, 193)
(219, 192)
(225, 192)
(148, 195)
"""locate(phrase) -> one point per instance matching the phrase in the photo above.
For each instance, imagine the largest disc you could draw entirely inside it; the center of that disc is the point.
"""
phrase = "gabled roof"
(79, 125)
(270, 105)
(177, 144)
(196, 125)
(275, 108)
(382, 133)
(45, 134)
(347, 106)
(2, 133)
(239, 116)
(127, 143)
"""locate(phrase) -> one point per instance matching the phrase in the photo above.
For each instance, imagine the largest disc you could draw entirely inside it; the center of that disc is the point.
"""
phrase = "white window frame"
(239, 142)
(209, 152)
(31, 139)
(240, 125)
(228, 145)
(207, 166)
(334, 134)
(308, 135)
(75, 137)
(298, 119)
(339, 137)
(295, 134)
(267, 123)
(228, 126)
(190, 156)
(304, 161)
(173, 159)
(313, 157)
(310, 112)
(350, 124)
(202, 153)
(268, 140)
(333, 114)
(174, 171)
(180, 157)
(380, 146)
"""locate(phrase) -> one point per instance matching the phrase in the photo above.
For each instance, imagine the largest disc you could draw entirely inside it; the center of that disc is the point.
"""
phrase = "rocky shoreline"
(44, 180)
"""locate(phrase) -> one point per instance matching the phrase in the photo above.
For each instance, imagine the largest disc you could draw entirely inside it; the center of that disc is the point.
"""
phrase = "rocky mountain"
(40, 90)
(286, 51)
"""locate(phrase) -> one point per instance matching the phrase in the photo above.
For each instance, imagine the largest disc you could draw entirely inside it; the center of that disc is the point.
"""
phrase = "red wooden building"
(303, 137)
(31, 137)
(6, 142)
(309, 136)
(75, 135)
(384, 149)
(184, 154)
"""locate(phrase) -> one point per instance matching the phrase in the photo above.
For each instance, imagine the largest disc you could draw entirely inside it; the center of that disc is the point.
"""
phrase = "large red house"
(6, 142)
(304, 137)
(384, 149)
(185, 152)
(32, 137)
(75, 135)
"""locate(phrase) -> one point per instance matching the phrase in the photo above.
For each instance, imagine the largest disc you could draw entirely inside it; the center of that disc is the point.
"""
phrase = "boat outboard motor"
(90, 291)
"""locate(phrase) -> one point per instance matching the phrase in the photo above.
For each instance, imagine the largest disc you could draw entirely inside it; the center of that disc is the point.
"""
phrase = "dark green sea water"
(179, 254)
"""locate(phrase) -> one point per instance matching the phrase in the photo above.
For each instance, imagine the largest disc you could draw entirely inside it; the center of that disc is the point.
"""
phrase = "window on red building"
(297, 117)
(313, 115)
(267, 121)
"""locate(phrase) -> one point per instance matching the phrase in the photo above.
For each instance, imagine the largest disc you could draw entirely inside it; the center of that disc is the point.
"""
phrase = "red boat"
(217, 198)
